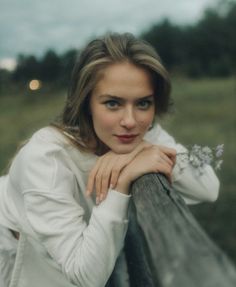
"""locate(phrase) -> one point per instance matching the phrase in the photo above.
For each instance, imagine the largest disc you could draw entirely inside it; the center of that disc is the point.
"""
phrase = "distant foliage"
(207, 48)
(50, 68)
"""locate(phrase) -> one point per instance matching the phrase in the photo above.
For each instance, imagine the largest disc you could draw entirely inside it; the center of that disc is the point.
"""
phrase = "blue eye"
(145, 104)
(111, 104)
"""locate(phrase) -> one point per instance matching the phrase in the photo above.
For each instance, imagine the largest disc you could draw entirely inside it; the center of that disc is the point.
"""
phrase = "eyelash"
(113, 104)
(109, 102)
(148, 102)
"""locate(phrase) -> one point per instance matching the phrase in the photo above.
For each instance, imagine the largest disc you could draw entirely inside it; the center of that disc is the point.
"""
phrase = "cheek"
(146, 120)
(103, 121)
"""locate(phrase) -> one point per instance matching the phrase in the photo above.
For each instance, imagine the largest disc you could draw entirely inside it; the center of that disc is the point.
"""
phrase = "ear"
(150, 127)
(154, 121)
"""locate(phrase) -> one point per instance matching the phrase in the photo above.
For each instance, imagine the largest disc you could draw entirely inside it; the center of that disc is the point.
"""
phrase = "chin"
(123, 149)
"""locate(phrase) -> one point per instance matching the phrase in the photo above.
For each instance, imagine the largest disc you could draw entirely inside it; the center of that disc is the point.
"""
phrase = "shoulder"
(44, 143)
(47, 157)
(50, 135)
(158, 135)
(36, 162)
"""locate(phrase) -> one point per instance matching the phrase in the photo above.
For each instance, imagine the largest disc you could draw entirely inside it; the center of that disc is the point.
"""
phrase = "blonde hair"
(76, 120)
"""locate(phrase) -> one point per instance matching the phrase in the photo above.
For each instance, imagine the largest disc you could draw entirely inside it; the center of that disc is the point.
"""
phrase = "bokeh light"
(35, 85)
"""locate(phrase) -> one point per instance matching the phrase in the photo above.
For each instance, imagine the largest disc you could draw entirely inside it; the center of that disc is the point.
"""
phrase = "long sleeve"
(86, 253)
(193, 187)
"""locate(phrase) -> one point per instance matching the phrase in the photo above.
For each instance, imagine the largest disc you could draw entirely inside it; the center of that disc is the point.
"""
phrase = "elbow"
(82, 272)
(210, 185)
(212, 190)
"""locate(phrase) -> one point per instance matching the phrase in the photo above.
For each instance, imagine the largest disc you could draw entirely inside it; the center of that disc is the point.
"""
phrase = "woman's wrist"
(123, 184)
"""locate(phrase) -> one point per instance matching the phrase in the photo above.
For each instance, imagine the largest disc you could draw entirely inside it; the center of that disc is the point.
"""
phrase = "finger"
(166, 159)
(167, 173)
(98, 186)
(166, 169)
(168, 151)
(103, 178)
(104, 186)
(94, 173)
(118, 165)
(106, 176)
(173, 158)
(91, 177)
(114, 177)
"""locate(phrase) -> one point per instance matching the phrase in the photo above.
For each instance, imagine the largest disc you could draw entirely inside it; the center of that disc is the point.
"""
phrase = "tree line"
(207, 48)
(50, 68)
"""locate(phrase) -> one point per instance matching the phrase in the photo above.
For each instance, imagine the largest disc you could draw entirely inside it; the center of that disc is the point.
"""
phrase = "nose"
(128, 120)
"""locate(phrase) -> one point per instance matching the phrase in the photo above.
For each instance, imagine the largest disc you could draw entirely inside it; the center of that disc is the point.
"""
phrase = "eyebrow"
(123, 99)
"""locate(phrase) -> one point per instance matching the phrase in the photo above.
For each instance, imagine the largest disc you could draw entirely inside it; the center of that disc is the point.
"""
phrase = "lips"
(126, 138)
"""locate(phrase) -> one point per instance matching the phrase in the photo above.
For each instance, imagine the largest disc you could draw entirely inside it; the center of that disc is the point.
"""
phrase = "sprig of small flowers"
(199, 156)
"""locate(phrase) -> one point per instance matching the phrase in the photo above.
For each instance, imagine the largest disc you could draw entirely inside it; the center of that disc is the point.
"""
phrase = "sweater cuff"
(116, 203)
(180, 165)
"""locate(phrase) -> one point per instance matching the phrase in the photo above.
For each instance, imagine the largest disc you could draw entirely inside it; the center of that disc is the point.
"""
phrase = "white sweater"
(65, 239)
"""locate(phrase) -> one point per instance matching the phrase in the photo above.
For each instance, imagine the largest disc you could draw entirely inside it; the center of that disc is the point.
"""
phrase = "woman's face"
(122, 106)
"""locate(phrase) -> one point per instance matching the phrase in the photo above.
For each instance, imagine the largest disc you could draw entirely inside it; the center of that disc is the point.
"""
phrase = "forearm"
(103, 241)
(195, 187)
(78, 248)
(192, 186)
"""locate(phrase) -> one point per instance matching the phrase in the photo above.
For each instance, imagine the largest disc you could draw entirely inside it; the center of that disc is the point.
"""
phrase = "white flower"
(219, 150)
(199, 156)
(218, 164)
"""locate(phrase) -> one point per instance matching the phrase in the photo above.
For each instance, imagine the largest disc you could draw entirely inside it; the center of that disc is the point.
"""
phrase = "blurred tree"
(67, 63)
(5, 77)
(27, 68)
(50, 68)
(207, 48)
(230, 26)
(168, 39)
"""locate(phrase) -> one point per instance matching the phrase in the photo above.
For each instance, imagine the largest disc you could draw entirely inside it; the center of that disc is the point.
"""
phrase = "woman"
(67, 191)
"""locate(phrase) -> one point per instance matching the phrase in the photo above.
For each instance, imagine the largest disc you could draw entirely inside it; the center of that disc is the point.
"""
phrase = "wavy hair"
(75, 120)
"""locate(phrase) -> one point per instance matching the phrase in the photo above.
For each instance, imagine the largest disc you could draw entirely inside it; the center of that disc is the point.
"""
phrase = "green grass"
(23, 112)
(204, 114)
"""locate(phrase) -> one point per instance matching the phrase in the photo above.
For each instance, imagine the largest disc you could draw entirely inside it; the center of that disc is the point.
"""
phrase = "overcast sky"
(32, 27)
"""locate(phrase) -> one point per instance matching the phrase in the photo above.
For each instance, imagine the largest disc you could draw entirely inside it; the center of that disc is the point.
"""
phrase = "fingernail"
(87, 193)
(111, 186)
(101, 198)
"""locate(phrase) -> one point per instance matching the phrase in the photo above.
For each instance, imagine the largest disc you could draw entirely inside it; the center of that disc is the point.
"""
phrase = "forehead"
(124, 78)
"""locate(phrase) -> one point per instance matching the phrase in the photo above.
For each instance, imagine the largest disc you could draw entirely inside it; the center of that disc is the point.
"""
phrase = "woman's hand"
(107, 170)
(153, 159)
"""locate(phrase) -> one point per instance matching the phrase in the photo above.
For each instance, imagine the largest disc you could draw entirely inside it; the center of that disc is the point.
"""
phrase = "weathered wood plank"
(136, 252)
(173, 250)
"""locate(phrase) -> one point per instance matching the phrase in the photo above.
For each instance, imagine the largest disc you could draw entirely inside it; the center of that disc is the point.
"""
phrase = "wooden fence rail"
(165, 246)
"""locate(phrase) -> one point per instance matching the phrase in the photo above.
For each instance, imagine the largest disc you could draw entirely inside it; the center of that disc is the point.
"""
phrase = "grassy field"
(204, 114)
